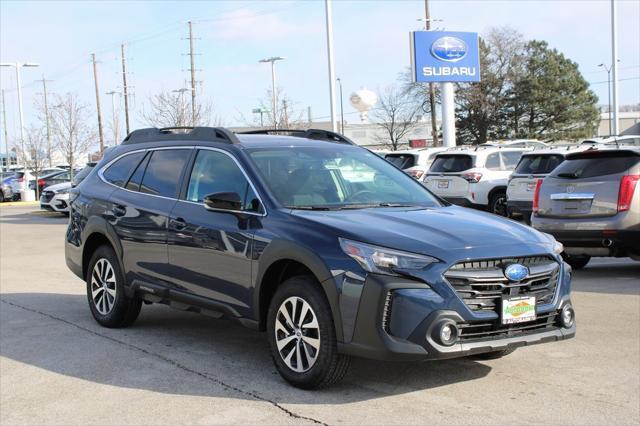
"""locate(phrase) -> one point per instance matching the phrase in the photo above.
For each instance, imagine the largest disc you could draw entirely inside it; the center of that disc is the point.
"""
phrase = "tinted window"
(118, 172)
(217, 172)
(493, 162)
(451, 163)
(136, 177)
(595, 165)
(510, 159)
(401, 161)
(538, 164)
(162, 175)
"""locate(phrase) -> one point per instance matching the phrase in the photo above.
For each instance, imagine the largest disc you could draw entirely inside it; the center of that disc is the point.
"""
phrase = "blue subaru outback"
(322, 244)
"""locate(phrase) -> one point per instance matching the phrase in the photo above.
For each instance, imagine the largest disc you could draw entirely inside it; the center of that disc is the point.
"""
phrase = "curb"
(20, 203)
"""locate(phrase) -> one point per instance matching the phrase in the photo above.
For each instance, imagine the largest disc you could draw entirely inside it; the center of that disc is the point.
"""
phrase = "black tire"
(124, 310)
(330, 366)
(493, 355)
(576, 262)
(498, 204)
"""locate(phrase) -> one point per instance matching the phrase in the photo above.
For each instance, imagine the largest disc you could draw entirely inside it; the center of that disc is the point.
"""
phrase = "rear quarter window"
(538, 164)
(118, 173)
(401, 161)
(593, 165)
(451, 163)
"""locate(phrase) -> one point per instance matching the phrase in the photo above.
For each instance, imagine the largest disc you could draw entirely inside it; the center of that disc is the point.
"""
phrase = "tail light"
(536, 197)
(416, 173)
(627, 188)
(472, 177)
(41, 182)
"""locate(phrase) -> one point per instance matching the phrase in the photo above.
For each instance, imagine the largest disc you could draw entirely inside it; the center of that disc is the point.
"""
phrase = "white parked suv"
(474, 177)
(415, 162)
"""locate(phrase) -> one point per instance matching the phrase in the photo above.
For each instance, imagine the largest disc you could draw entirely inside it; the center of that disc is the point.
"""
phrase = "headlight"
(556, 245)
(63, 191)
(382, 260)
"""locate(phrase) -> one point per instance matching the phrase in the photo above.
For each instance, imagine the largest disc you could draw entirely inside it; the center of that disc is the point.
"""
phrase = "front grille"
(47, 196)
(489, 330)
(481, 284)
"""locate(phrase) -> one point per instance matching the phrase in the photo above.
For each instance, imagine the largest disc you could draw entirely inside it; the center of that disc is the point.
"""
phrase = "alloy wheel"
(297, 334)
(500, 205)
(103, 286)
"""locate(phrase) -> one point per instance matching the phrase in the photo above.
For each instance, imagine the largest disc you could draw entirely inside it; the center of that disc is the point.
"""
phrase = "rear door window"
(592, 165)
(401, 161)
(162, 175)
(451, 163)
(538, 164)
(118, 173)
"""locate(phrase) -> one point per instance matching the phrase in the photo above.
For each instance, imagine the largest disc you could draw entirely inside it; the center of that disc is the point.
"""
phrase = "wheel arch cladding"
(98, 232)
(282, 260)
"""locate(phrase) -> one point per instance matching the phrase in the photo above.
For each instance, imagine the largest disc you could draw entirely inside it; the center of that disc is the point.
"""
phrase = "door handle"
(119, 210)
(178, 223)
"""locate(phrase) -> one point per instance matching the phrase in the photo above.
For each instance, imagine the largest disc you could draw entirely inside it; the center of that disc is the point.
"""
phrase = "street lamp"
(261, 111)
(18, 65)
(608, 70)
(114, 118)
(341, 107)
(274, 95)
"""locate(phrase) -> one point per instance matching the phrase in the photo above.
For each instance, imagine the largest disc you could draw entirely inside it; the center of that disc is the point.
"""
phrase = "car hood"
(58, 187)
(435, 231)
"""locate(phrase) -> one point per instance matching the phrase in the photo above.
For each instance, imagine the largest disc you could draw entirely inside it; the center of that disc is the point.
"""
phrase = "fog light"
(567, 316)
(447, 333)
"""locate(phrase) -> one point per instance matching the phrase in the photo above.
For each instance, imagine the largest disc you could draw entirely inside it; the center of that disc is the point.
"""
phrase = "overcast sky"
(371, 46)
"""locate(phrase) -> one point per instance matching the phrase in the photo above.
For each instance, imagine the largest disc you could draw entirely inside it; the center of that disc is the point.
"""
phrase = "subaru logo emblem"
(516, 272)
(449, 49)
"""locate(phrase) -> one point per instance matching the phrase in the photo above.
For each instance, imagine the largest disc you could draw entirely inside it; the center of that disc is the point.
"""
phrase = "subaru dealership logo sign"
(439, 56)
(449, 49)
(516, 272)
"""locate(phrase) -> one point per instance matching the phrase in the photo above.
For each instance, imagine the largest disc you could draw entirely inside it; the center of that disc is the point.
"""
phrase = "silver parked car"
(591, 204)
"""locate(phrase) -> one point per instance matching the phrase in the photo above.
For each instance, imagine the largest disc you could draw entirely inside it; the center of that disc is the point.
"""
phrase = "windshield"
(451, 163)
(337, 177)
(538, 164)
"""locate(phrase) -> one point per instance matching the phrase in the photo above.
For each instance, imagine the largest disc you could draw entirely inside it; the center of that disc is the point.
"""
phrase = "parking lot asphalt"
(57, 366)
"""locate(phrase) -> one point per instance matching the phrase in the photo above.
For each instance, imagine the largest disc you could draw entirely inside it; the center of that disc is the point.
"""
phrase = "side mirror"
(223, 201)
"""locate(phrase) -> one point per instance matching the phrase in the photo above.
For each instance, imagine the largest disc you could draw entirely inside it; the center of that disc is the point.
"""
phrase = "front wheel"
(302, 336)
(498, 204)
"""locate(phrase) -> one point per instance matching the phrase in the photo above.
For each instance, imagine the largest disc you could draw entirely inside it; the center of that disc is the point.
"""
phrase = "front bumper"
(403, 328)
(59, 202)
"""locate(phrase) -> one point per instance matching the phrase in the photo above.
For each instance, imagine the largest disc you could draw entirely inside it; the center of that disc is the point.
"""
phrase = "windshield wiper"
(395, 205)
(310, 208)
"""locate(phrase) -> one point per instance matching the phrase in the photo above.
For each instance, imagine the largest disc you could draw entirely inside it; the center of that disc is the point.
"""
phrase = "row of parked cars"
(582, 194)
(53, 185)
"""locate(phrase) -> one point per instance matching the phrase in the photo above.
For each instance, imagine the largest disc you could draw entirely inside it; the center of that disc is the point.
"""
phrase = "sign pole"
(448, 114)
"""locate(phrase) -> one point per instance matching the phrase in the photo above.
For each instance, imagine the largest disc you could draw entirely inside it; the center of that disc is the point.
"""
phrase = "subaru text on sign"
(444, 56)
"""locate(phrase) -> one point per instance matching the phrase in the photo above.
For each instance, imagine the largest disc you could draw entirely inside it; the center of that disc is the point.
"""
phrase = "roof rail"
(153, 134)
(317, 134)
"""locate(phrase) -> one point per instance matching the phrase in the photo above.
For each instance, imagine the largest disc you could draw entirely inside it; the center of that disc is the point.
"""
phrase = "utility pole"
(285, 114)
(193, 77)
(341, 107)
(6, 133)
(46, 115)
(432, 90)
(125, 88)
(332, 71)
(95, 80)
(614, 66)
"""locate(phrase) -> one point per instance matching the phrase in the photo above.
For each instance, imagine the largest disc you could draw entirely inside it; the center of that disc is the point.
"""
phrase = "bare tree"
(168, 109)
(73, 136)
(34, 153)
(286, 116)
(395, 115)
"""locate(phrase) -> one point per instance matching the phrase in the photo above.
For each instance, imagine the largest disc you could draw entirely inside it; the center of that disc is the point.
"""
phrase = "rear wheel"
(498, 204)
(576, 262)
(108, 302)
(302, 336)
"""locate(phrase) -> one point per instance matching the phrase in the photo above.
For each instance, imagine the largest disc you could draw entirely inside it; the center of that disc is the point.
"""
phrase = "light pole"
(17, 66)
(114, 116)
(261, 111)
(332, 71)
(274, 95)
(182, 109)
(341, 107)
(614, 65)
(608, 70)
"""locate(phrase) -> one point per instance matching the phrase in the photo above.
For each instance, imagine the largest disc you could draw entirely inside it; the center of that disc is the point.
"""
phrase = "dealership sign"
(441, 56)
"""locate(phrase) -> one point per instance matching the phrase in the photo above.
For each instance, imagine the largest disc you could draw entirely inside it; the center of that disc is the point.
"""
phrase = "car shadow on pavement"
(182, 353)
(608, 278)
(36, 217)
